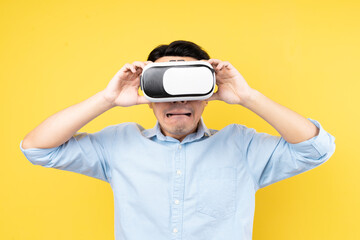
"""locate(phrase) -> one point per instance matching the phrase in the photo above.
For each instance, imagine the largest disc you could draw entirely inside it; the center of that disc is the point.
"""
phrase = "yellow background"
(302, 54)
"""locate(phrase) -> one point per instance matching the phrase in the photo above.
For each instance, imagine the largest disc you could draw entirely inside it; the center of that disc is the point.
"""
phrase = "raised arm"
(122, 90)
(233, 89)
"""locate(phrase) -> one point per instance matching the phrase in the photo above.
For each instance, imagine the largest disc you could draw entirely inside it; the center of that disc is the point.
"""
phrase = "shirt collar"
(202, 131)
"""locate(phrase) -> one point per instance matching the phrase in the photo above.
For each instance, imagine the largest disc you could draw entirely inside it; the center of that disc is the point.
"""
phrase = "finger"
(219, 66)
(139, 64)
(128, 67)
(142, 100)
(214, 62)
(214, 97)
(122, 70)
(138, 71)
(227, 64)
(139, 67)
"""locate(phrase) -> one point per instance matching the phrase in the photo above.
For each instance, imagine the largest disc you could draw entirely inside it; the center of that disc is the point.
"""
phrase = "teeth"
(170, 114)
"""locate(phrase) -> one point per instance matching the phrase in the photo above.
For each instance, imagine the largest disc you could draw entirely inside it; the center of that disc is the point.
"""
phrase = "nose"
(180, 102)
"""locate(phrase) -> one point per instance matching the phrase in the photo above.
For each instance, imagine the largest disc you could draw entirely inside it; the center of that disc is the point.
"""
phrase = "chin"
(180, 131)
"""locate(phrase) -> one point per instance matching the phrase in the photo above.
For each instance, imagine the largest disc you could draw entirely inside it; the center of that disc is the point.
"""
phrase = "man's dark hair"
(178, 48)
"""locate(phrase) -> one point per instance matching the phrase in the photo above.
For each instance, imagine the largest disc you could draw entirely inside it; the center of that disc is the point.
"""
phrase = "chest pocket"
(216, 192)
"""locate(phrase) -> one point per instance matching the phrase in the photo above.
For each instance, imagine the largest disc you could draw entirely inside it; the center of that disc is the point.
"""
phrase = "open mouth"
(178, 114)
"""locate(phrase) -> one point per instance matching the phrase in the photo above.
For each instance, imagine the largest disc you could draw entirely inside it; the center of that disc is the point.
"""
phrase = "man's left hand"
(232, 87)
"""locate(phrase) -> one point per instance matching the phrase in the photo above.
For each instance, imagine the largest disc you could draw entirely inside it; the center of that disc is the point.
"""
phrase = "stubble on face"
(180, 124)
(178, 119)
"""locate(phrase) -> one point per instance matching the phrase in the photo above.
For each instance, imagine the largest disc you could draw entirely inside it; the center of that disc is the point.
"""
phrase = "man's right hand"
(123, 88)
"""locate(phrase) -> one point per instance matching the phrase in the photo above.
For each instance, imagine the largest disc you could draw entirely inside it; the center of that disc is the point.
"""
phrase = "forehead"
(168, 58)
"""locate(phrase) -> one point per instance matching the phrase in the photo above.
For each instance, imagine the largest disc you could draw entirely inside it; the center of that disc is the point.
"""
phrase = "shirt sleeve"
(271, 159)
(83, 153)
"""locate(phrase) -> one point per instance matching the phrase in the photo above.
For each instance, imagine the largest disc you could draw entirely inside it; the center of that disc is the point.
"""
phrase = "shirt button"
(179, 146)
(175, 230)
(178, 172)
(177, 201)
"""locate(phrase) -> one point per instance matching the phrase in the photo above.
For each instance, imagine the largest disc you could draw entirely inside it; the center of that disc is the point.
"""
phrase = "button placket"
(178, 193)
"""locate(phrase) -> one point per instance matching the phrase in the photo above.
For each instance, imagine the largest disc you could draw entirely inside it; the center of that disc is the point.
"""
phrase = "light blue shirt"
(202, 188)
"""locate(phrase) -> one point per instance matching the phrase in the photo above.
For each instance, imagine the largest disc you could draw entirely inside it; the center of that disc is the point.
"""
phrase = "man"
(180, 180)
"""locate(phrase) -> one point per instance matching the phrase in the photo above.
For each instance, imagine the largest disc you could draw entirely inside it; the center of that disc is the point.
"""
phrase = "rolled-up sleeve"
(83, 153)
(271, 159)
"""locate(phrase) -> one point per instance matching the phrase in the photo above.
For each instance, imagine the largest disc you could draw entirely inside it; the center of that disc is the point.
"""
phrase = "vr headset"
(178, 81)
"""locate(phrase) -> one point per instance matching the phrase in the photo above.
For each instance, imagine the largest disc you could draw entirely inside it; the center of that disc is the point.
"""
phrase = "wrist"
(248, 99)
(105, 101)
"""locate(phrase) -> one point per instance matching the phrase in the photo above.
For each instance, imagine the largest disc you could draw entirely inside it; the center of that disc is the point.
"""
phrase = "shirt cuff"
(38, 156)
(323, 142)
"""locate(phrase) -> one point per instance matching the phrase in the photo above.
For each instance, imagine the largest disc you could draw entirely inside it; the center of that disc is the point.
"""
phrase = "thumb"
(214, 97)
(142, 100)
